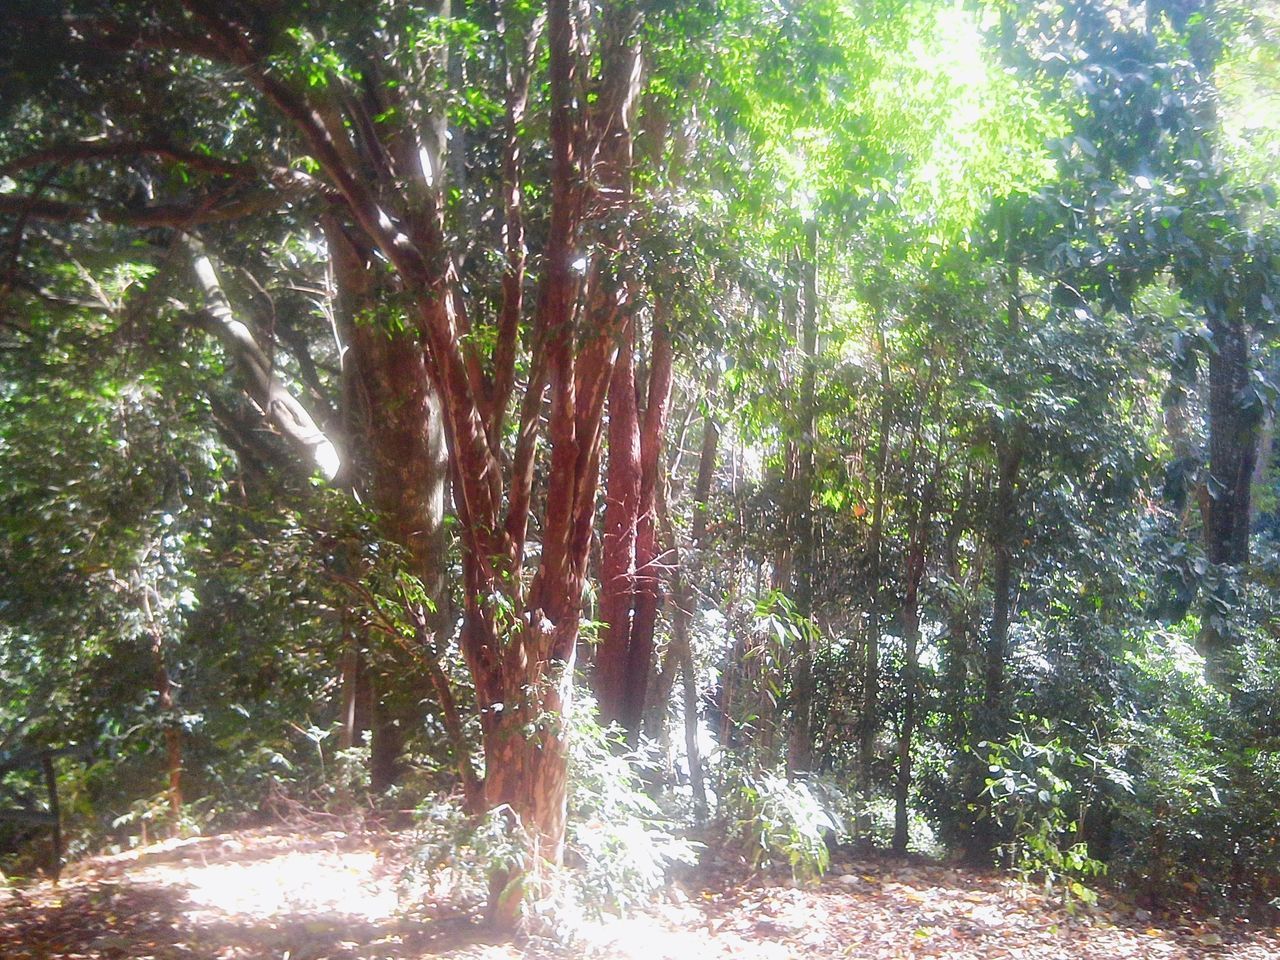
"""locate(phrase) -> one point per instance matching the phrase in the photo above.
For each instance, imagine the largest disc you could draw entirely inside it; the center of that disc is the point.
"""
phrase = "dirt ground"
(333, 896)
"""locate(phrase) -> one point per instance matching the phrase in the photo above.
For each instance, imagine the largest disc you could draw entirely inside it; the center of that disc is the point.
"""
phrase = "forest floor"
(333, 896)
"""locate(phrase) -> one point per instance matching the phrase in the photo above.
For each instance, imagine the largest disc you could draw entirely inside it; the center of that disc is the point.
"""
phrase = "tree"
(370, 126)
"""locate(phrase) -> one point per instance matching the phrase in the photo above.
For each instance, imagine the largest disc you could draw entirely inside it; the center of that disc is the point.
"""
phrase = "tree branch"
(102, 149)
(289, 416)
(184, 214)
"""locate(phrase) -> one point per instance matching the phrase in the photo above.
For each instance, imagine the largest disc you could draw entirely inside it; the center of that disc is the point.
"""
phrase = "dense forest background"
(831, 422)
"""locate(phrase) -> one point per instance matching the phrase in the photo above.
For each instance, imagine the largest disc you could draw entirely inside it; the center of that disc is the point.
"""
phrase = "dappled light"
(623, 479)
(250, 896)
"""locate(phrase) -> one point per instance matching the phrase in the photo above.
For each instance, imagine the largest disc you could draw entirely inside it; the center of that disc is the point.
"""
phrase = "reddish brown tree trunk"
(524, 680)
(621, 528)
(401, 445)
(631, 589)
(648, 591)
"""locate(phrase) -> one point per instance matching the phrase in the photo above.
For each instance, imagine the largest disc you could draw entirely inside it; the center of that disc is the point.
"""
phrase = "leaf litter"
(264, 894)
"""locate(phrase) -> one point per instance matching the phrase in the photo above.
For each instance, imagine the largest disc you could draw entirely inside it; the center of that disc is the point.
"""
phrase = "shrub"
(1205, 814)
(775, 820)
(1036, 802)
(618, 838)
(619, 846)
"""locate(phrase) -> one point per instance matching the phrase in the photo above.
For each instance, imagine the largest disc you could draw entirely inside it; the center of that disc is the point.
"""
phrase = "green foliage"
(620, 847)
(772, 820)
(1038, 799)
(619, 840)
(1203, 818)
(455, 855)
(1032, 222)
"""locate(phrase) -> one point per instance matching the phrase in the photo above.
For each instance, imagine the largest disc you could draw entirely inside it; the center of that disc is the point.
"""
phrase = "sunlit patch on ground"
(338, 884)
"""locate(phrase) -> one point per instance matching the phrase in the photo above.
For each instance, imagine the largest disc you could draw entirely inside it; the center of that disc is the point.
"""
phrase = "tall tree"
(363, 113)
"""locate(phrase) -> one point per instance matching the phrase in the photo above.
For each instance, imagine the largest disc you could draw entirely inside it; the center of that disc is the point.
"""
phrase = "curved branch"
(284, 410)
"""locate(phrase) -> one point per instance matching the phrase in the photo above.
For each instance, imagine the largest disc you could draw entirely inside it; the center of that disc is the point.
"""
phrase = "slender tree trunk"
(916, 559)
(800, 752)
(960, 629)
(680, 656)
(621, 521)
(1262, 464)
(1004, 527)
(640, 665)
(869, 721)
(1004, 531)
(349, 732)
(357, 692)
(684, 596)
(165, 703)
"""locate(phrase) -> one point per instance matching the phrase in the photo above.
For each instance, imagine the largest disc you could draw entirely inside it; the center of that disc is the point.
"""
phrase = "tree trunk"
(524, 679)
(518, 636)
(349, 678)
(680, 656)
(280, 407)
(684, 596)
(916, 558)
(526, 764)
(621, 522)
(1004, 527)
(383, 180)
(165, 703)
(640, 664)
(800, 751)
(1233, 428)
(869, 721)
(401, 441)
(1233, 456)
(1004, 532)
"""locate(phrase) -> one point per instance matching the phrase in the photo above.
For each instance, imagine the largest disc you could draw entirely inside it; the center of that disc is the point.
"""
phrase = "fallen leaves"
(332, 897)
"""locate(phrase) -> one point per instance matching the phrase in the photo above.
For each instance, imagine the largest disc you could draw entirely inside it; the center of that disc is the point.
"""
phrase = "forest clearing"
(334, 896)
(747, 478)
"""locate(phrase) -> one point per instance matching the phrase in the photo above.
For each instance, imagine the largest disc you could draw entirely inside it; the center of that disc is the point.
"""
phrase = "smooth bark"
(278, 405)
